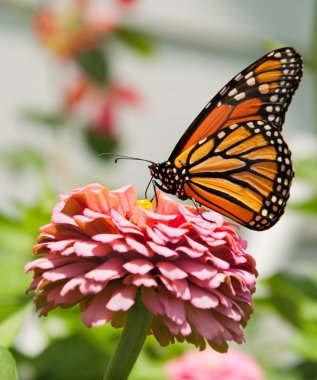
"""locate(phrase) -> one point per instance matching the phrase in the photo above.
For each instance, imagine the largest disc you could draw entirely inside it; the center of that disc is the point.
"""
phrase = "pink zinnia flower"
(210, 365)
(104, 248)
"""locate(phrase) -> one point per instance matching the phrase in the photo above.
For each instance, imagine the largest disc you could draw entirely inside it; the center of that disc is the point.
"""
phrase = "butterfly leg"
(197, 205)
(155, 186)
(147, 188)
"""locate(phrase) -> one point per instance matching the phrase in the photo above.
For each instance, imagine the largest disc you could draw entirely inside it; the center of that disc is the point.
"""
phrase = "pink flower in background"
(98, 106)
(104, 247)
(126, 2)
(77, 31)
(210, 365)
(67, 32)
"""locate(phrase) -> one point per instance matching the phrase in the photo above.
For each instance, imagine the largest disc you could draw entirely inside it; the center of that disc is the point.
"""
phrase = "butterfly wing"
(244, 172)
(263, 91)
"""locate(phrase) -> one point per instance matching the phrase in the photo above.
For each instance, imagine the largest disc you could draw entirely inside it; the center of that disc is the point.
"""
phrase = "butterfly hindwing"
(262, 91)
(244, 172)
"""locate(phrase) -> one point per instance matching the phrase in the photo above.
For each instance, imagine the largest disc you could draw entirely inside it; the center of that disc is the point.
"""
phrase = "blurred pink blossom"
(210, 365)
(126, 2)
(98, 106)
(78, 27)
(104, 247)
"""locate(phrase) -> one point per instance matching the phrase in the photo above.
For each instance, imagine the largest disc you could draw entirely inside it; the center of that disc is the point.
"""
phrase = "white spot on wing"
(233, 92)
(240, 96)
(222, 91)
(249, 75)
(202, 141)
(221, 134)
(251, 81)
(264, 88)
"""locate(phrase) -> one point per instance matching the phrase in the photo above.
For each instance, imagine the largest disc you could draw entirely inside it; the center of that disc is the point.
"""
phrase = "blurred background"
(83, 77)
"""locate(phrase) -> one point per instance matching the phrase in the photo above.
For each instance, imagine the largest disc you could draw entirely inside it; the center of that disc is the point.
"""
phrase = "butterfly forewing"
(233, 158)
(262, 91)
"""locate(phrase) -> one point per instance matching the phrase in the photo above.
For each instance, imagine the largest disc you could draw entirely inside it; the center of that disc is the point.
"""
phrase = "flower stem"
(131, 342)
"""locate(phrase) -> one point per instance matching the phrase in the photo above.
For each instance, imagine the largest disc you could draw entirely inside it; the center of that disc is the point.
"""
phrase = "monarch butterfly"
(233, 158)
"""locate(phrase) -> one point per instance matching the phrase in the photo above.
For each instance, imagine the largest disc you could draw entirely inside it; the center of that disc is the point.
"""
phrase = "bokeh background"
(82, 77)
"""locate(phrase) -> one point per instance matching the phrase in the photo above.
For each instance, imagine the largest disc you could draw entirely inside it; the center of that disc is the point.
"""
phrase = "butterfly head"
(172, 178)
(162, 171)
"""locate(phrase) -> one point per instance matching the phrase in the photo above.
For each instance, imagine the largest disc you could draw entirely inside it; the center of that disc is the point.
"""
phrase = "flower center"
(145, 203)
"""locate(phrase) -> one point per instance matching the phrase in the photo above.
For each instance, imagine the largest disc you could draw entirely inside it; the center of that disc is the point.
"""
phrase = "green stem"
(131, 342)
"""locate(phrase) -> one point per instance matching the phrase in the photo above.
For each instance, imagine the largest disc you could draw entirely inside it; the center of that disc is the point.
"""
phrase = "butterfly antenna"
(122, 157)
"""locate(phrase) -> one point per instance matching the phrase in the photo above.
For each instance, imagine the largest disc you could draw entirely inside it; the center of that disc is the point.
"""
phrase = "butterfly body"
(233, 158)
(173, 179)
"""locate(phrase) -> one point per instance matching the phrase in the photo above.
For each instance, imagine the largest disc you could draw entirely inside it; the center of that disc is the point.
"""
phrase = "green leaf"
(309, 205)
(292, 295)
(76, 358)
(15, 249)
(22, 157)
(136, 40)
(305, 344)
(11, 326)
(307, 169)
(7, 365)
(16, 240)
(93, 63)
(305, 370)
(50, 119)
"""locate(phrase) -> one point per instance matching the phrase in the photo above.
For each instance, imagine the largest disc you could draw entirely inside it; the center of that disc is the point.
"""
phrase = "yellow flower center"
(145, 203)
